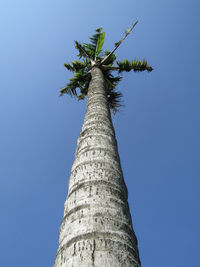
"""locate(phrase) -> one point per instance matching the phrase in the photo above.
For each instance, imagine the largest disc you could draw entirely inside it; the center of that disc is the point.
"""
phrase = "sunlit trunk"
(96, 230)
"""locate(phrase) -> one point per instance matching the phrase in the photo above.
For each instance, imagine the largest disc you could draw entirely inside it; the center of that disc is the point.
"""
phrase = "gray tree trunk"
(96, 230)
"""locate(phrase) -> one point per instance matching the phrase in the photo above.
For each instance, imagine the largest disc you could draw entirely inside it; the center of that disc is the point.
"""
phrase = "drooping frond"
(70, 88)
(136, 65)
(113, 80)
(114, 100)
(79, 80)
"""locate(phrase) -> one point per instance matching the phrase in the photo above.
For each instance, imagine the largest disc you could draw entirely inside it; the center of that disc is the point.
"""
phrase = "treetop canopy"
(90, 55)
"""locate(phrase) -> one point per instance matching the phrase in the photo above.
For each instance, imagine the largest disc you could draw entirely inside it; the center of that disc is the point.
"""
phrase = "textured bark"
(96, 230)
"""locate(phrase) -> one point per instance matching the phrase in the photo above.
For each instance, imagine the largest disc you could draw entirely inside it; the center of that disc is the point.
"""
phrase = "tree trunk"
(96, 230)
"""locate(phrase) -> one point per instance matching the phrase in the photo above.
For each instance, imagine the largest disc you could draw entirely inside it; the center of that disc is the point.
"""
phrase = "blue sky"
(158, 129)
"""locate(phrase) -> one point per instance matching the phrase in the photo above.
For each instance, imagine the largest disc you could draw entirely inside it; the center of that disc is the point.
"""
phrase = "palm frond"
(82, 50)
(110, 86)
(93, 49)
(79, 80)
(113, 79)
(69, 67)
(111, 59)
(76, 65)
(90, 49)
(124, 65)
(70, 89)
(139, 65)
(95, 37)
(79, 65)
(81, 97)
(99, 44)
(114, 100)
(136, 65)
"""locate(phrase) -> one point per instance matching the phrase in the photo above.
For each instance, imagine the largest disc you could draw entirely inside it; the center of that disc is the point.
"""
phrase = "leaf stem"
(118, 44)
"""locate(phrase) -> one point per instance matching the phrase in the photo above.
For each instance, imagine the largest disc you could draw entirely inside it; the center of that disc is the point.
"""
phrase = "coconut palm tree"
(97, 228)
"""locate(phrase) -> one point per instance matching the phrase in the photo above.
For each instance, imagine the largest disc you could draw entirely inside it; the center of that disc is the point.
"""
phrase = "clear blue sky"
(158, 129)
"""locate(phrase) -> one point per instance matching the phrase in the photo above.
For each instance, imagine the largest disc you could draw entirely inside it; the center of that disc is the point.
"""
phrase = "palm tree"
(97, 228)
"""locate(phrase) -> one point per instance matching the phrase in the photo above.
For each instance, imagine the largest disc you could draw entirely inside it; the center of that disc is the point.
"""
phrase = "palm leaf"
(91, 48)
(110, 60)
(124, 65)
(79, 80)
(95, 37)
(81, 97)
(136, 65)
(114, 100)
(69, 67)
(76, 65)
(70, 89)
(79, 65)
(82, 51)
(100, 43)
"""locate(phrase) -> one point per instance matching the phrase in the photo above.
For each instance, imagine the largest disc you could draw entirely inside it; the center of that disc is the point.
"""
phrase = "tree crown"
(91, 55)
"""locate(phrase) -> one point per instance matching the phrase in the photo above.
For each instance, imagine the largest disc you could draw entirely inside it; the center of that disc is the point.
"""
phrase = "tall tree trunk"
(96, 230)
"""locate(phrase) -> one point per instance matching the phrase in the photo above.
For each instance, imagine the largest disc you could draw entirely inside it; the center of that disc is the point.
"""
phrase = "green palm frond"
(70, 89)
(69, 67)
(82, 50)
(112, 80)
(110, 85)
(76, 65)
(111, 59)
(79, 80)
(114, 100)
(81, 97)
(90, 49)
(124, 65)
(94, 39)
(136, 65)
(100, 43)
(115, 79)
(94, 48)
